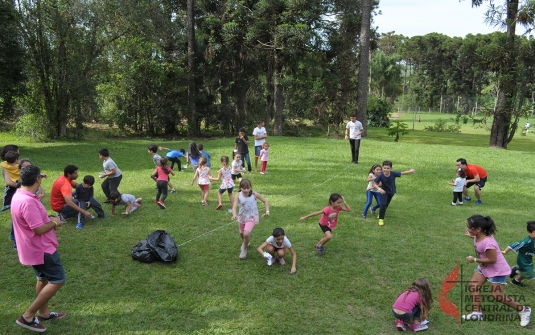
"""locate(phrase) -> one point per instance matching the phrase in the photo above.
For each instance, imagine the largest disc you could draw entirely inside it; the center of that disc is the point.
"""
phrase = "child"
(524, 260)
(112, 172)
(205, 154)
(458, 186)
(237, 168)
(203, 173)
(413, 305)
(248, 214)
(372, 191)
(225, 174)
(242, 145)
(276, 246)
(329, 219)
(264, 157)
(193, 156)
(492, 267)
(161, 173)
(10, 172)
(174, 157)
(152, 149)
(128, 200)
(260, 134)
(386, 183)
(84, 194)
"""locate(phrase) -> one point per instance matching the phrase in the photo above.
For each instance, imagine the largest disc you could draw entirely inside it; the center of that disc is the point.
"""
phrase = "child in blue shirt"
(205, 154)
(84, 195)
(174, 157)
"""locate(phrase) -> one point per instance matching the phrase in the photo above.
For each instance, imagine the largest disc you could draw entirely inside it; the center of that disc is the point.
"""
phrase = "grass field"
(210, 291)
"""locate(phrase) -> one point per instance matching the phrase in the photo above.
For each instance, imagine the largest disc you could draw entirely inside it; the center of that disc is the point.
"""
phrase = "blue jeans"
(245, 157)
(369, 199)
(385, 201)
(97, 207)
(415, 314)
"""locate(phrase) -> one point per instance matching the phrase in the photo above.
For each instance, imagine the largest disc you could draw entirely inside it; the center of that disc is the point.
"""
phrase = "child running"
(204, 173)
(329, 219)
(372, 191)
(248, 215)
(237, 167)
(458, 186)
(193, 156)
(413, 305)
(227, 184)
(386, 183)
(161, 173)
(264, 157)
(276, 246)
(492, 267)
(128, 200)
(524, 260)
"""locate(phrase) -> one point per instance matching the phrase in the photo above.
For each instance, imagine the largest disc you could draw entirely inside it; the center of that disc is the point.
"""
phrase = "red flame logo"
(448, 307)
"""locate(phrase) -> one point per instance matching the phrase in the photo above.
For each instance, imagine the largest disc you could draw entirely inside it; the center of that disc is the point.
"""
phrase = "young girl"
(128, 200)
(329, 219)
(413, 305)
(193, 156)
(227, 184)
(458, 186)
(161, 173)
(203, 173)
(264, 157)
(237, 167)
(276, 246)
(492, 267)
(248, 214)
(372, 191)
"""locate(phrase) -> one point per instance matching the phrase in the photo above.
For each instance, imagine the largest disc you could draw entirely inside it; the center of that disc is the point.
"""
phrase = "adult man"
(475, 175)
(260, 134)
(37, 243)
(355, 129)
(61, 199)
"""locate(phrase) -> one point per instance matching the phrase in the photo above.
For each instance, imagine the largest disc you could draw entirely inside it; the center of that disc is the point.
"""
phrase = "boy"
(174, 157)
(205, 154)
(111, 171)
(152, 149)
(260, 134)
(10, 173)
(242, 145)
(386, 184)
(84, 195)
(524, 260)
(128, 200)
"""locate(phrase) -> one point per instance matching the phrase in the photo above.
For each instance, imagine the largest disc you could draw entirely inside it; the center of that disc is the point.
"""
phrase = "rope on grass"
(285, 199)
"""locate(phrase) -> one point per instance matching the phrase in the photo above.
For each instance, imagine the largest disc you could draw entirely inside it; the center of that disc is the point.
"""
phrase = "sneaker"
(418, 327)
(282, 261)
(400, 325)
(80, 226)
(478, 203)
(261, 172)
(454, 204)
(243, 254)
(5, 208)
(173, 191)
(518, 283)
(460, 203)
(373, 212)
(525, 316)
(363, 216)
(474, 316)
(467, 199)
(32, 325)
(381, 222)
(53, 316)
(513, 272)
(319, 249)
(230, 210)
(62, 218)
(161, 204)
(139, 200)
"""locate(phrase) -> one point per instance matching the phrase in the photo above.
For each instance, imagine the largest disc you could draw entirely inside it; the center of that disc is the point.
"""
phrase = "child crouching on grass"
(524, 260)
(128, 200)
(413, 305)
(276, 246)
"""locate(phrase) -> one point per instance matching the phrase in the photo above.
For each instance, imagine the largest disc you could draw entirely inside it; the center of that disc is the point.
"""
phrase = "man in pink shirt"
(36, 247)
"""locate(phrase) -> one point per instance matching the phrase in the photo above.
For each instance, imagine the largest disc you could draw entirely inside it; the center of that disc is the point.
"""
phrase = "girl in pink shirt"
(413, 305)
(329, 219)
(264, 157)
(492, 267)
(161, 173)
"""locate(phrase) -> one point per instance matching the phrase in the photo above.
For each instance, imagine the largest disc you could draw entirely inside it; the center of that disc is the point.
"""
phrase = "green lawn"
(210, 291)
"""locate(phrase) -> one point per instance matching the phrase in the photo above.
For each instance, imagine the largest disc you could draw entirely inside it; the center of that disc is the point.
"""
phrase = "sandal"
(53, 316)
(218, 207)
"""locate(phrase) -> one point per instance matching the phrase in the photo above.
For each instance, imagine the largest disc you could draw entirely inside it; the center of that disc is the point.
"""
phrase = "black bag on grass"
(159, 246)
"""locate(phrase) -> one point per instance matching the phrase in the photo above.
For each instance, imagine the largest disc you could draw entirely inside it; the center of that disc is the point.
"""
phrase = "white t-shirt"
(354, 129)
(259, 132)
(459, 184)
(286, 243)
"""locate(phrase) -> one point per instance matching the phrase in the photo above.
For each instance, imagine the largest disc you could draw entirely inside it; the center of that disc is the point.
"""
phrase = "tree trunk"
(364, 56)
(192, 122)
(277, 95)
(269, 96)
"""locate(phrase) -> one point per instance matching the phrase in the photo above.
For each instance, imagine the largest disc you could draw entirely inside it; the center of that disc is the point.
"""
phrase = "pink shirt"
(330, 217)
(161, 173)
(263, 155)
(29, 213)
(407, 303)
(501, 267)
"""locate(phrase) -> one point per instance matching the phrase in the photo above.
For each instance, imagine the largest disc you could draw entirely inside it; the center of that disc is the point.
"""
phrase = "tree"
(364, 59)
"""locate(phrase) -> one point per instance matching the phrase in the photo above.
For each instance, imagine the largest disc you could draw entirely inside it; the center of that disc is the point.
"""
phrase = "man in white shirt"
(260, 134)
(353, 130)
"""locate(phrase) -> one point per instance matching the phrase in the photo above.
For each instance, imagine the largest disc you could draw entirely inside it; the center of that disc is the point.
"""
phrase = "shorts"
(324, 228)
(480, 183)
(204, 187)
(249, 225)
(51, 271)
(234, 176)
(493, 280)
(257, 150)
(229, 190)
(527, 272)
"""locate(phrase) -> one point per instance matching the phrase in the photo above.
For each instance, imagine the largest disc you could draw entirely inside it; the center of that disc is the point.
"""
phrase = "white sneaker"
(525, 316)
(460, 203)
(474, 316)
(243, 254)
(454, 204)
